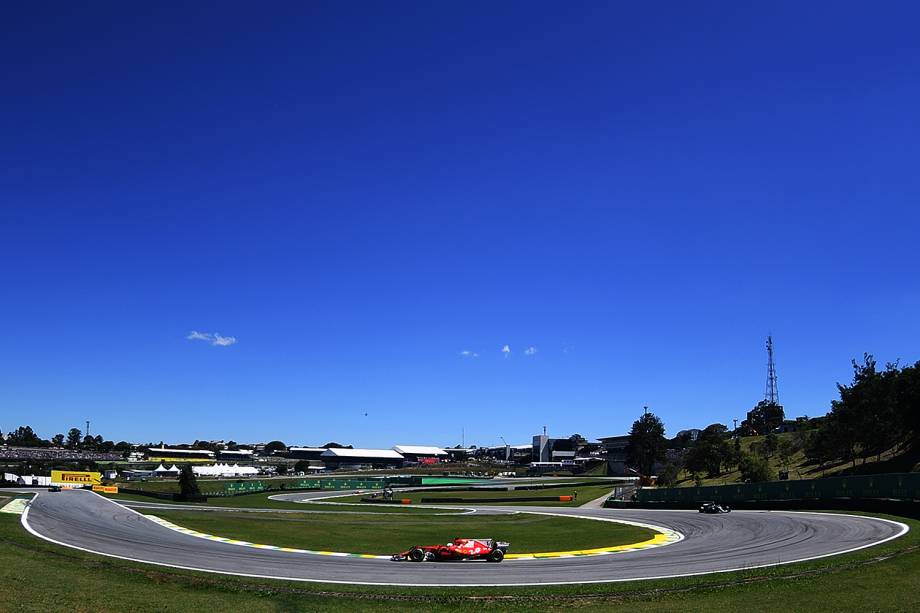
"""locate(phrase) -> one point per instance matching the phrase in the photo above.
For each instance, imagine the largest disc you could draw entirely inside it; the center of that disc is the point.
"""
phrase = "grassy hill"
(800, 468)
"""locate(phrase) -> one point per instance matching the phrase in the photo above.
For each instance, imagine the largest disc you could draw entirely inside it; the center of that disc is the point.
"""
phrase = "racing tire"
(497, 555)
(416, 555)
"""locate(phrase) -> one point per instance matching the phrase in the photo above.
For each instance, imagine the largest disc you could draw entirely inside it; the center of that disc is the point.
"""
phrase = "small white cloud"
(214, 339)
(506, 350)
(223, 341)
(469, 354)
(530, 350)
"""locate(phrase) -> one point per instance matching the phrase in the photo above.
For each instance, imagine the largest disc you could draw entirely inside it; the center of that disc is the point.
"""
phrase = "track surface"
(712, 543)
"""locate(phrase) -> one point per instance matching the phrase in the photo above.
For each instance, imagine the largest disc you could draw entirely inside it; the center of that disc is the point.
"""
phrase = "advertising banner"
(106, 489)
(75, 477)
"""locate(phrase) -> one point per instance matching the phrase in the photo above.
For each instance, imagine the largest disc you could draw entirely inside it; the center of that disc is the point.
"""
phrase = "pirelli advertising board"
(106, 489)
(75, 477)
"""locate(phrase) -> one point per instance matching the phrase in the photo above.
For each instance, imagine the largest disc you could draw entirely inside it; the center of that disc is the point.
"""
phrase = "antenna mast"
(771, 392)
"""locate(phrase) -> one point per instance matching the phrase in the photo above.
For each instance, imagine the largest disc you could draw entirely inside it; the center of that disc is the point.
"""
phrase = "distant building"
(692, 435)
(421, 454)
(616, 454)
(165, 454)
(304, 453)
(362, 458)
(545, 449)
(459, 454)
(237, 455)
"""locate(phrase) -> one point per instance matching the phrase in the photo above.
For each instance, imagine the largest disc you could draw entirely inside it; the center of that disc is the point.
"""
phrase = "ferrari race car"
(711, 507)
(457, 550)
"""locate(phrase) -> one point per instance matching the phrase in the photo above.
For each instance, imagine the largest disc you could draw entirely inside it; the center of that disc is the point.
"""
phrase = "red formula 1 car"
(457, 550)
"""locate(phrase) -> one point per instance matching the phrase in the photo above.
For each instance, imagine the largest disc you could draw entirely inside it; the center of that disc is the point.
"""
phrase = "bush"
(755, 469)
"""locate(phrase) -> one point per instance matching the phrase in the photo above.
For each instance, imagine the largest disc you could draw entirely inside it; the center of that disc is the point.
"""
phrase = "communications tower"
(771, 393)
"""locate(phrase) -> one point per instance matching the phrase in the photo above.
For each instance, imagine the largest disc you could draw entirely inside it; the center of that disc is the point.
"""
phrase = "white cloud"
(223, 341)
(530, 350)
(214, 339)
(469, 354)
(506, 350)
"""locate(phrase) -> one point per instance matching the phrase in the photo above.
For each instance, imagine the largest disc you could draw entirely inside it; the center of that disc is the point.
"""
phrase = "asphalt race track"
(712, 543)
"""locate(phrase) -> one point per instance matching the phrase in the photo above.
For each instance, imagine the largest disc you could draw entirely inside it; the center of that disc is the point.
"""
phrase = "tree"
(274, 446)
(763, 418)
(785, 450)
(668, 475)
(302, 466)
(58, 440)
(755, 469)
(770, 443)
(73, 438)
(710, 452)
(24, 436)
(188, 483)
(646, 443)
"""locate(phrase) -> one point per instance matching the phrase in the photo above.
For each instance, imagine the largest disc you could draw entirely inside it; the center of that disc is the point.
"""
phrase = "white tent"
(174, 469)
(160, 469)
(225, 470)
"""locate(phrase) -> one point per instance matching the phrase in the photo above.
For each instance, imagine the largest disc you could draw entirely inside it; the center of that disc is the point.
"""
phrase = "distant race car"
(457, 550)
(711, 507)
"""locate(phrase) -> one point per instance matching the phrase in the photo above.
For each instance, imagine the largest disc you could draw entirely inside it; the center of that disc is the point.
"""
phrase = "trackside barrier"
(387, 501)
(247, 487)
(896, 486)
(500, 500)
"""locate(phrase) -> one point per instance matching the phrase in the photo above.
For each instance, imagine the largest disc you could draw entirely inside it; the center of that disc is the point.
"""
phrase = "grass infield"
(526, 532)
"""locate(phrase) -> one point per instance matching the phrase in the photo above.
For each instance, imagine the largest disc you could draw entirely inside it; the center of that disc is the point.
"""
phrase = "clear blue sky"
(358, 192)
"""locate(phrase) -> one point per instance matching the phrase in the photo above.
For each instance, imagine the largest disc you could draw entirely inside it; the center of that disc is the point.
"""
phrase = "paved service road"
(712, 543)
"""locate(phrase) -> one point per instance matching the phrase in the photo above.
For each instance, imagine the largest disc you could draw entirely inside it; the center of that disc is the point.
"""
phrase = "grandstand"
(55, 454)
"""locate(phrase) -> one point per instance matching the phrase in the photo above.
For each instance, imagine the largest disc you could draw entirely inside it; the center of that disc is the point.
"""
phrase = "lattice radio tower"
(771, 392)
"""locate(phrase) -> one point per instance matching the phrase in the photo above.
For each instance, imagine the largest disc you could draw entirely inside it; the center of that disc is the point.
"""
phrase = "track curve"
(711, 544)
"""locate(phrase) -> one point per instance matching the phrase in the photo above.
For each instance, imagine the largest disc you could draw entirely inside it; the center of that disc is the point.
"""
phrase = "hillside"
(800, 468)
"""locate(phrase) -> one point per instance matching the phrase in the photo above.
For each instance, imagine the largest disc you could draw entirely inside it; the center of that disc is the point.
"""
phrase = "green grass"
(585, 494)
(526, 532)
(51, 578)
(261, 500)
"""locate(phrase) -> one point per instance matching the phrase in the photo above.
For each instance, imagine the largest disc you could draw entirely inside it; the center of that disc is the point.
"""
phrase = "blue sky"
(356, 193)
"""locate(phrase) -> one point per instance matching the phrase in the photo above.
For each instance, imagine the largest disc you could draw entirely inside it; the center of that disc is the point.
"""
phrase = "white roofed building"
(421, 453)
(337, 457)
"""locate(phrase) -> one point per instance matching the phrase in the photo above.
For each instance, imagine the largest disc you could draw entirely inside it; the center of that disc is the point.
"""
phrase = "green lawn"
(585, 494)
(527, 533)
(36, 576)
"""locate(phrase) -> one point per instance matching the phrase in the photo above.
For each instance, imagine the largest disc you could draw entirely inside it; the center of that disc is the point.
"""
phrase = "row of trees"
(711, 454)
(878, 411)
(24, 436)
